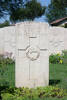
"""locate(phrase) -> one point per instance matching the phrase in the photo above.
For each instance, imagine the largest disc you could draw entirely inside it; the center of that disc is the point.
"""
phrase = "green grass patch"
(58, 75)
(7, 75)
(57, 89)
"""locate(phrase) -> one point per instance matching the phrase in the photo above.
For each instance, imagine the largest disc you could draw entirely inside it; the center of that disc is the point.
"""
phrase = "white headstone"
(32, 58)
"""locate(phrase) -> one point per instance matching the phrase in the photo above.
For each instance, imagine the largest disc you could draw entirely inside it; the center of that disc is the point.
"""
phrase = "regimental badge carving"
(33, 52)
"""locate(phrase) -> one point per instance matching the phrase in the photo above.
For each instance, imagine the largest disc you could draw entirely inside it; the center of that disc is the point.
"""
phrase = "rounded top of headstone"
(33, 22)
(32, 28)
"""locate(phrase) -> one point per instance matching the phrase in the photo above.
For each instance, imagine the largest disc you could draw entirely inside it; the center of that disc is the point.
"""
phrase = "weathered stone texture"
(57, 37)
(8, 40)
(32, 59)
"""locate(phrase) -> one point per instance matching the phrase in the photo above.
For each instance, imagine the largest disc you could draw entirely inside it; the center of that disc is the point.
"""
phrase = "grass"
(11, 75)
(58, 75)
(7, 77)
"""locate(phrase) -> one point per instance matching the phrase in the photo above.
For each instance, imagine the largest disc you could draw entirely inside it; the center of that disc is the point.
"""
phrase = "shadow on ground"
(54, 82)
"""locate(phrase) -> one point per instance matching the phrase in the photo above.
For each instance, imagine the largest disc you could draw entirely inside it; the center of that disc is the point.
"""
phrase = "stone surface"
(32, 58)
(8, 40)
(56, 35)
(57, 39)
(32, 48)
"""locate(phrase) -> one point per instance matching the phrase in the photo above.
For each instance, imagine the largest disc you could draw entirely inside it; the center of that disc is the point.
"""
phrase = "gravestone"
(32, 58)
